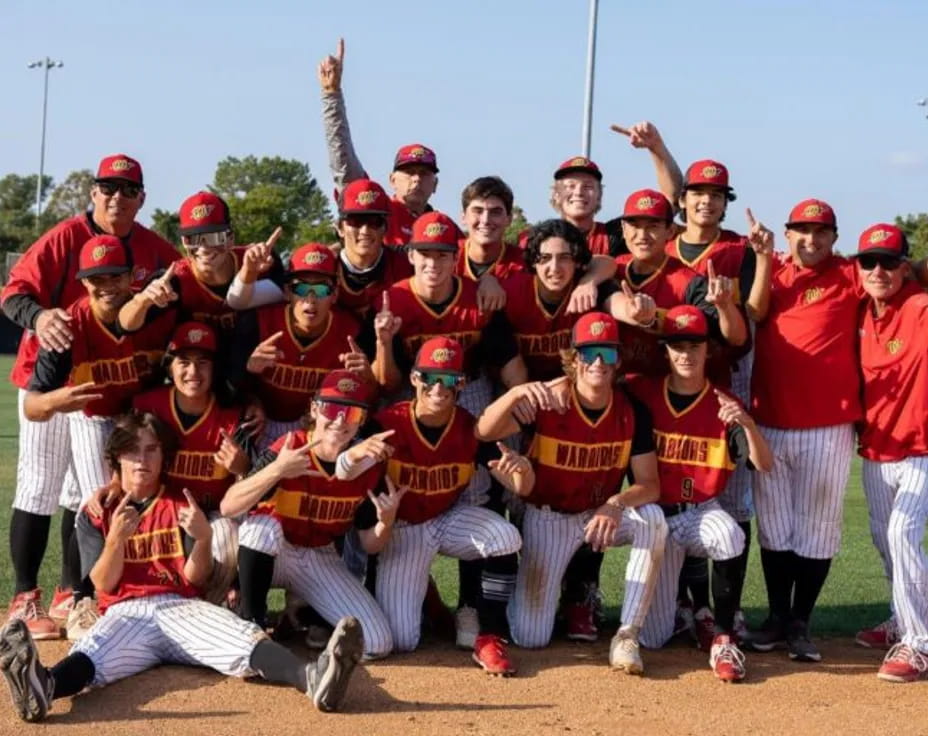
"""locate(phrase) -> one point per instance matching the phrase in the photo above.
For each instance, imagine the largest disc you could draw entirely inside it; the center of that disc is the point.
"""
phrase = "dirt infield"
(566, 689)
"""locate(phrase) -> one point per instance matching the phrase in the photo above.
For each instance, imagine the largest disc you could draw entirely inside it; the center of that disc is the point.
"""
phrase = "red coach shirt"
(894, 360)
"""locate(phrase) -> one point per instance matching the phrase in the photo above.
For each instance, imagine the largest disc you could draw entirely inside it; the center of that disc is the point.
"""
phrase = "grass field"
(856, 593)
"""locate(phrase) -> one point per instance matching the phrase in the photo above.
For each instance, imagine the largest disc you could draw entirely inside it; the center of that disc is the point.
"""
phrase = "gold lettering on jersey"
(466, 338)
(318, 509)
(894, 346)
(812, 295)
(296, 378)
(550, 344)
(590, 458)
(430, 480)
(681, 449)
(191, 465)
(110, 372)
(157, 545)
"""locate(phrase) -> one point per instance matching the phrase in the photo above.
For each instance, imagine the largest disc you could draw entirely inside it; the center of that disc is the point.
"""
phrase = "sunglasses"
(448, 380)
(589, 353)
(887, 263)
(208, 240)
(330, 411)
(378, 222)
(126, 188)
(319, 290)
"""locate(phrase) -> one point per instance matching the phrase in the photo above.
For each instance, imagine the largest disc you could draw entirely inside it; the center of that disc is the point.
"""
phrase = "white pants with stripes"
(897, 496)
(225, 557)
(141, 633)
(703, 531)
(88, 440)
(273, 430)
(319, 576)
(551, 538)
(737, 498)
(464, 532)
(44, 472)
(800, 503)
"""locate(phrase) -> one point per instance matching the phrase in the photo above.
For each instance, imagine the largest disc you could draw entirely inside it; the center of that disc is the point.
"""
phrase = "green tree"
(17, 213)
(518, 224)
(72, 196)
(166, 224)
(915, 228)
(267, 192)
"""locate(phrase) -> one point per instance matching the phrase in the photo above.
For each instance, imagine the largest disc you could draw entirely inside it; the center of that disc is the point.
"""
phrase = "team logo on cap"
(682, 321)
(368, 196)
(201, 211)
(417, 152)
(646, 203)
(443, 355)
(878, 236)
(813, 295)
(195, 335)
(579, 161)
(315, 258)
(434, 230)
(121, 164)
(597, 328)
(347, 386)
(99, 253)
(711, 172)
(813, 210)
(894, 346)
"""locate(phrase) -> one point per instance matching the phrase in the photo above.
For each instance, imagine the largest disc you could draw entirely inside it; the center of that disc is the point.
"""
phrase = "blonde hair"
(557, 196)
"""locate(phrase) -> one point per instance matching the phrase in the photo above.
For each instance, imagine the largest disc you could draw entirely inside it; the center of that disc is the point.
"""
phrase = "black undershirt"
(692, 251)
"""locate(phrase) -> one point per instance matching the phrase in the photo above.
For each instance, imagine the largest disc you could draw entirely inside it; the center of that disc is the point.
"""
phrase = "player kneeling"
(150, 555)
(700, 434)
(586, 434)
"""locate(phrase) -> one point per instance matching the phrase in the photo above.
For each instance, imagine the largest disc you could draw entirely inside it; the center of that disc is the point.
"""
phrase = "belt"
(672, 509)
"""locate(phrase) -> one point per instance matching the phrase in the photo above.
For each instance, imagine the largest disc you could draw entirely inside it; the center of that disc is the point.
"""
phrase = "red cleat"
(490, 654)
(27, 607)
(726, 660)
(882, 636)
(903, 664)
(581, 626)
(62, 604)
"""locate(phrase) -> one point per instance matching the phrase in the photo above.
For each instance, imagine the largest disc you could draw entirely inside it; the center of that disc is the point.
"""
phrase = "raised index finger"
(385, 304)
(340, 50)
(710, 269)
(168, 272)
(620, 130)
(353, 345)
(274, 236)
(750, 215)
(273, 338)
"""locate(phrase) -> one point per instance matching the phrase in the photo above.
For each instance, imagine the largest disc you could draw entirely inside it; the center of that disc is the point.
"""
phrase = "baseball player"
(40, 287)
(893, 440)
(148, 555)
(700, 433)
(414, 178)
(301, 507)
(585, 435)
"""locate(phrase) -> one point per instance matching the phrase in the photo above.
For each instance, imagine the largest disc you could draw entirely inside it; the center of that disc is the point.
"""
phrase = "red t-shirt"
(509, 261)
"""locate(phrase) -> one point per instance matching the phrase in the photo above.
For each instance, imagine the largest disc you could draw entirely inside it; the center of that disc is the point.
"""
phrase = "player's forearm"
(497, 421)
(38, 406)
(638, 494)
(22, 310)
(107, 571)
(669, 176)
(386, 372)
(199, 565)
(731, 325)
(243, 495)
(758, 301)
(759, 452)
(373, 540)
(514, 373)
(132, 314)
(602, 268)
(343, 160)
(349, 468)
(520, 484)
(252, 294)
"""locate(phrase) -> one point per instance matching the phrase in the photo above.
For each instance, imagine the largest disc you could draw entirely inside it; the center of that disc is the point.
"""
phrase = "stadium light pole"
(923, 102)
(590, 65)
(46, 64)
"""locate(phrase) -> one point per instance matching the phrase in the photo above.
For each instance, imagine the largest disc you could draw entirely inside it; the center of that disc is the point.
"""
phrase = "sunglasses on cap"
(377, 222)
(330, 411)
(869, 261)
(589, 353)
(208, 240)
(128, 189)
(448, 380)
(320, 290)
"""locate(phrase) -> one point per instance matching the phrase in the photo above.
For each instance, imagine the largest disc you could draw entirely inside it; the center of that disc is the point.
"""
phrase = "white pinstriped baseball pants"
(88, 440)
(225, 557)
(319, 576)
(551, 538)
(737, 498)
(897, 496)
(703, 531)
(800, 502)
(141, 633)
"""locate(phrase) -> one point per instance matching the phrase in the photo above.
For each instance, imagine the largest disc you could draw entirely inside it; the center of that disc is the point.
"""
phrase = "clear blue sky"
(799, 99)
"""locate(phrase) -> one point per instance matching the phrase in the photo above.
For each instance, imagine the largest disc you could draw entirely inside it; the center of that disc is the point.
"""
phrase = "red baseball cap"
(120, 166)
(709, 173)
(685, 322)
(812, 212)
(103, 255)
(364, 197)
(312, 258)
(344, 387)
(883, 239)
(204, 212)
(434, 231)
(595, 328)
(441, 354)
(193, 336)
(647, 203)
(578, 165)
(415, 153)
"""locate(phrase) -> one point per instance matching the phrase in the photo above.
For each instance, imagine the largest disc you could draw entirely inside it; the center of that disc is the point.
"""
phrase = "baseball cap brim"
(679, 337)
(398, 165)
(200, 229)
(644, 217)
(729, 191)
(433, 246)
(340, 400)
(383, 213)
(878, 252)
(561, 173)
(791, 223)
(118, 178)
(102, 271)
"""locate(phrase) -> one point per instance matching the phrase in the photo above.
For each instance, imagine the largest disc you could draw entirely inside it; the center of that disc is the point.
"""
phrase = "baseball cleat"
(704, 623)
(625, 654)
(82, 619)
(31, 685)
(903, 664)
(317, 636)
(581, 625)
(740, 627)
(726, 660)
(882, 636)
(799, 645)
(328, 677)
(771, 635)
(27, 606)
(62, 603)
(490, 653)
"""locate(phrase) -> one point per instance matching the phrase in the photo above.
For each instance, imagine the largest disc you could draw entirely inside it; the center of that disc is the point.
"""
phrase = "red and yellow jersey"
(726, 252)
(460, 320)
(510, 260)
(193, 466)
(395, 267)
(806, 370)
(894, 361)
(313, 511)
(435, 474)
(693, 459)
(153, 557)
(197, 301)
(597, 239)
(541, 335)
(580, 463)
(288, 387)
(47, 273)
(119, 366)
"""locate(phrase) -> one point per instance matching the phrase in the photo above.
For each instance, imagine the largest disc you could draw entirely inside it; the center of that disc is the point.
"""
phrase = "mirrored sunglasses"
(349, 413)
(319, 290)
(589, 353)
(448, 380)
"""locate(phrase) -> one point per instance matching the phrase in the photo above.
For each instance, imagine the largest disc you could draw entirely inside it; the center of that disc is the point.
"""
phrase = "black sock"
(470, 573)
(370, 575)
(683, 595)
(28, 540)
(255, 570)
(72, 674)
(724, 574)
(696, 573)
(68, 574)
(810, 577)
(82, 586)
(497, 580)
(739, 575)
(276, 663)
(582, 572)
(778, 575)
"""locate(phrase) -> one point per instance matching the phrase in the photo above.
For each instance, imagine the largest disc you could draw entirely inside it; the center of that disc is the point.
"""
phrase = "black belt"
(672, 509)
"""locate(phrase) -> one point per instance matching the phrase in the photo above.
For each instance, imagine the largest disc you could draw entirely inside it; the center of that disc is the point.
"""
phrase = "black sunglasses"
(377, 222)
(126, 188)
(888, 263)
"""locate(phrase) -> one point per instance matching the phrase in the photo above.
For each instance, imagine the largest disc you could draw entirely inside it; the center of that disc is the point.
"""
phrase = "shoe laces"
(494, 646)
(628, 644)
(86, 615)
(904, 653)
(729, 653)
(889, 628)
(32, 608)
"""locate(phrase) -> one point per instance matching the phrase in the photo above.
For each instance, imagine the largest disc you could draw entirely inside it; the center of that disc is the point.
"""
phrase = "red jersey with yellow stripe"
(693, 459)
(511, 259)
(460, 320)
(395, 267)
(288, 387)
(435, 474)
(193, 466)
(197, 301)
(726, 253)
(153, 557)
(541, 335)
(313, 511)
(580, 463)
(894, 360)
(119, 366)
